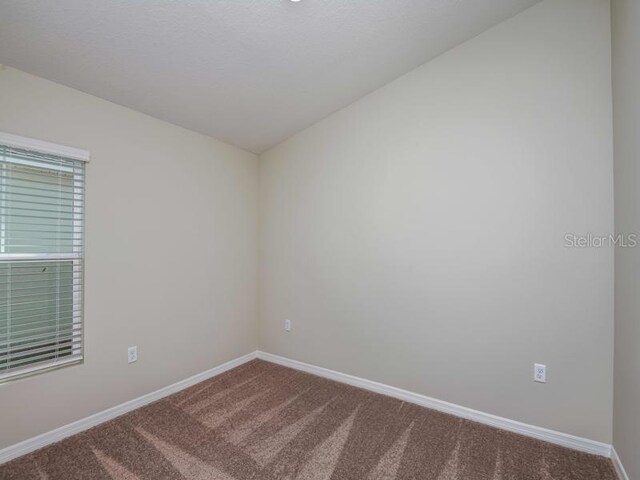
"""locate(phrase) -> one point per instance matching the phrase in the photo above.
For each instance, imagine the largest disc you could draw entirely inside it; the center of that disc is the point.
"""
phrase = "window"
(41, 256)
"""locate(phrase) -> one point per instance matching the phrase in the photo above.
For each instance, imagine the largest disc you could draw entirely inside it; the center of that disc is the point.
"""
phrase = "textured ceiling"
(249, 72)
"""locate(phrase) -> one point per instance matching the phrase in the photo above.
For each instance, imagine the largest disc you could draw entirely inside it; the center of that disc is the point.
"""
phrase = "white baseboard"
(28, 446)
(622, 474)
(558, 438)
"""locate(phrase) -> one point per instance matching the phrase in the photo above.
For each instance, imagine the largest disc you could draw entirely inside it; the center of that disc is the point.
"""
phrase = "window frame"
(78, 254)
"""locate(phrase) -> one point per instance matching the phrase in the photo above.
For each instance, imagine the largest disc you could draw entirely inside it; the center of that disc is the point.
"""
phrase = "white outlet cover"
(132, 354)
(540, 373)
(287, 325)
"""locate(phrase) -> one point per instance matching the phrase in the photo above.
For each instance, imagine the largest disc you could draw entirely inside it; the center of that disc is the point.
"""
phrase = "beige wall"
(417, 237)
(171, 253)
(626, 122)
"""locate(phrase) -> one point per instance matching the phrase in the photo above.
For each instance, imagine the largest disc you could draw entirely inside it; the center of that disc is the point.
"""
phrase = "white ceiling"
(249, 72)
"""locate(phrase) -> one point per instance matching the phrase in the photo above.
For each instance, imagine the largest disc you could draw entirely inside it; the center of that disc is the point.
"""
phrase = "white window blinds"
(41, 260)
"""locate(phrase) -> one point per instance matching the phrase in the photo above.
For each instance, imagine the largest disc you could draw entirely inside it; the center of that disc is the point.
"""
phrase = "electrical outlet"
(287, 325)
(132, 354)
(540, 373)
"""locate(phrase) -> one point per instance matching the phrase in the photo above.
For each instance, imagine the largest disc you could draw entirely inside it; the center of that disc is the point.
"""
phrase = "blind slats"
(10, 195)
(29, 344)
(44, 360)
(33, 323)
(41, 261)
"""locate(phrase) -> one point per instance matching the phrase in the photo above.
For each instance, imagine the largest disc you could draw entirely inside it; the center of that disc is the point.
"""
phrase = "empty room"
(320, 240)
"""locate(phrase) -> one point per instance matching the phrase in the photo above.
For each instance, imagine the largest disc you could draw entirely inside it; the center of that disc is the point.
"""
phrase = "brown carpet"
(262, 421)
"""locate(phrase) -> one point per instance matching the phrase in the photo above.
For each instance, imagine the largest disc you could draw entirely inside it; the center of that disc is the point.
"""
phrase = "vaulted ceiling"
(248, 72)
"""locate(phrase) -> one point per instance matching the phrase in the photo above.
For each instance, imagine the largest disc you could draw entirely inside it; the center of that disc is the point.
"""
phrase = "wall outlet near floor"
(287, 325)
(540, 373)
(132, 354)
